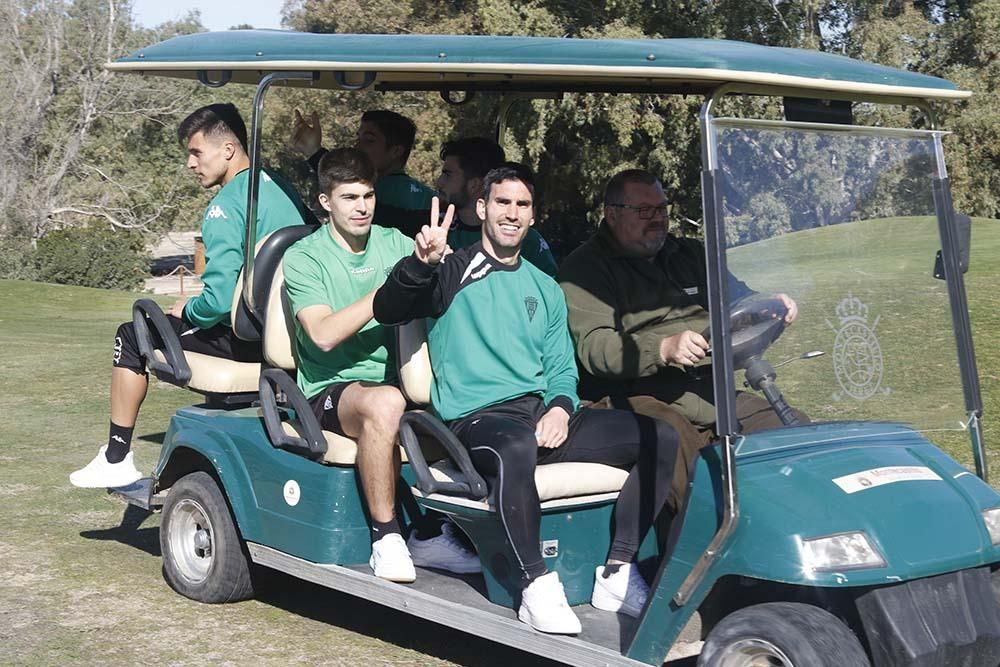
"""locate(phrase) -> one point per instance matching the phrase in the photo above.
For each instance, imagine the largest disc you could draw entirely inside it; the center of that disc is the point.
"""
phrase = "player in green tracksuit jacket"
(216, 140)
(505, 382)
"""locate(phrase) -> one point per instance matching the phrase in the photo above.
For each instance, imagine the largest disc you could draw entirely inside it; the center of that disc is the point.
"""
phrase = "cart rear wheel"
(203, 558)
(782, 634)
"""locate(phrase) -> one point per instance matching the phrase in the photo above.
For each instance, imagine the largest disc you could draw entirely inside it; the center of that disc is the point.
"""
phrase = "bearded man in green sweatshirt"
(216, 140)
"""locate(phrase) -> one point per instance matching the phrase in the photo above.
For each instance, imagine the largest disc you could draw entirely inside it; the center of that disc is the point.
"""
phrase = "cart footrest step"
(139, 493)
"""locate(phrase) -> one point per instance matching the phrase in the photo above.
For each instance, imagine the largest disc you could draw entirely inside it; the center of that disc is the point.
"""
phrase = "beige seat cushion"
(343, 451)
(415, 374)
(279, 324)
(556, 480)
(214, 375)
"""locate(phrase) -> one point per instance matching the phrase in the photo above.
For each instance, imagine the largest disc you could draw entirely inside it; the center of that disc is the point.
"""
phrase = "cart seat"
(342, 451)
(215, 375)
(558, 484)
(279, 351)
(222, 380)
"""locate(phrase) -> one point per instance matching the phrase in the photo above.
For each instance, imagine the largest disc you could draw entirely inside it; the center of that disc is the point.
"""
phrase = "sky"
(215, 14)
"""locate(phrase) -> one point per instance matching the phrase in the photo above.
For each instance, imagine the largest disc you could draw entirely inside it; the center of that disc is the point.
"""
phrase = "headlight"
(846, 551)
(992, 520)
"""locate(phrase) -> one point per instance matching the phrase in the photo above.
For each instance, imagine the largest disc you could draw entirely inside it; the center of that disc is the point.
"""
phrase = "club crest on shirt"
(531, 303)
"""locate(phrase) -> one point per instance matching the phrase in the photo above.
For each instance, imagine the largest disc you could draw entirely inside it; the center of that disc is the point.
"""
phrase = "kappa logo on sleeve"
(215, 213)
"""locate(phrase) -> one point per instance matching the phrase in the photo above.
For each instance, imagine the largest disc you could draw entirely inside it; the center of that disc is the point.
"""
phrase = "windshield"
(842, 221)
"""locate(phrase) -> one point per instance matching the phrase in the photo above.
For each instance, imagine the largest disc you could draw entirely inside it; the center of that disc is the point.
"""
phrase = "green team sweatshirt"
(498, 332)
(223, 230)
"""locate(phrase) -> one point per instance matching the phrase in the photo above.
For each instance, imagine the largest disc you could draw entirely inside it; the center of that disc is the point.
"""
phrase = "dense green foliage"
(577, 142)
(91, 147)
(92, 256)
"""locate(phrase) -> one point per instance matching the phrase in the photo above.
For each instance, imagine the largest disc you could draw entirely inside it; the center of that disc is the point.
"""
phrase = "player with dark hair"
(215, 137)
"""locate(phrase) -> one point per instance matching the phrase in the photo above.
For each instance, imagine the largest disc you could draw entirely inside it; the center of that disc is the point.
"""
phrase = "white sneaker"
(444, 552)
(624, 591)
(390, 560)
(99, 474)
(544, 607)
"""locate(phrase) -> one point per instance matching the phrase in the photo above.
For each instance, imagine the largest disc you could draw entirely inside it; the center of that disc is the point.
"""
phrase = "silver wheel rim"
(753, 652)
(192, 541)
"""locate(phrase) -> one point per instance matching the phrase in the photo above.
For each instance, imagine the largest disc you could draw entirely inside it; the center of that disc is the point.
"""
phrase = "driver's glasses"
(648, 212)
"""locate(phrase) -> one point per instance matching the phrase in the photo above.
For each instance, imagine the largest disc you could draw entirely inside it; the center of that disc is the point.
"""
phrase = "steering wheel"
(754, 323)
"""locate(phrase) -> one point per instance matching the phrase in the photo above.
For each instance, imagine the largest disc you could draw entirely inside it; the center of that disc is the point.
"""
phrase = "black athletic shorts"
(324, 405)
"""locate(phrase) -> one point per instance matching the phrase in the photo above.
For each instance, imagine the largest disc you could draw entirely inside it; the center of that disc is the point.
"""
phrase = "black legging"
(502, 444)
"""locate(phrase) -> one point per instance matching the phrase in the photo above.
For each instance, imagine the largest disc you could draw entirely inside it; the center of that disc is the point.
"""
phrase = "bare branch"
(96, 213)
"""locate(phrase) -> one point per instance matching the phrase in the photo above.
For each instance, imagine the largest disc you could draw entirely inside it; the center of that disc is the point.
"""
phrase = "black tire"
(203, 556)
(789, 634)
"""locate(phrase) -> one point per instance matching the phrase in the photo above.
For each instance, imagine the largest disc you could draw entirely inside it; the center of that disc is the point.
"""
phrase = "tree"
(87, 145)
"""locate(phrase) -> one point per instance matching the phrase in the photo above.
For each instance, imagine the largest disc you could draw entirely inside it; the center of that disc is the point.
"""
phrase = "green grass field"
(76, 586)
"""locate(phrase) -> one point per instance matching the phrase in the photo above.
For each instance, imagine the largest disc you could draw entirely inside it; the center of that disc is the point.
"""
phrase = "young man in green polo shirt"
(346, 367)
(387, 138)
(216, 140)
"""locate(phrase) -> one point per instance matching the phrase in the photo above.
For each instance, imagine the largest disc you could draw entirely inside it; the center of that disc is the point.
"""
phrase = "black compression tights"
(502, 445)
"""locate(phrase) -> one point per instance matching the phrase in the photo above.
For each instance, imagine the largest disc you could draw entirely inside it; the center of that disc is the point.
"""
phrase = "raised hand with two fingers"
(431, 243)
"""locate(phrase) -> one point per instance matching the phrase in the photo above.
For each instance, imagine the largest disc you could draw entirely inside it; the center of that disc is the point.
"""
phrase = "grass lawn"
(75, 587)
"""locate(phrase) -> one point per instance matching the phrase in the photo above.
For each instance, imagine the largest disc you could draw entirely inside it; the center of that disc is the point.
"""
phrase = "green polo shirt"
(319, 271)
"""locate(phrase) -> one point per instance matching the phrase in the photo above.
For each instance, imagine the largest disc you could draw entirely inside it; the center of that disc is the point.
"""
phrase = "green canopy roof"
(526, 63)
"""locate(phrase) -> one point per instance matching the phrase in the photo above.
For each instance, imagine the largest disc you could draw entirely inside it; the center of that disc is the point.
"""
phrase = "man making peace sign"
(505, 383)
(345, 366)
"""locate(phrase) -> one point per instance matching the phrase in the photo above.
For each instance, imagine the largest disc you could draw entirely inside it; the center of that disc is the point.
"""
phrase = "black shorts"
(324, 405)
(217, 341)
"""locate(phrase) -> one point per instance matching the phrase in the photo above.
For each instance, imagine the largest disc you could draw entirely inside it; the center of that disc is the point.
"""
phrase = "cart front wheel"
(782, 634)
(203, 558)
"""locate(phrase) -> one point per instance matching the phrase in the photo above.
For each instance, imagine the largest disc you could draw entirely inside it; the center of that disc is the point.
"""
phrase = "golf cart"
(849, 540)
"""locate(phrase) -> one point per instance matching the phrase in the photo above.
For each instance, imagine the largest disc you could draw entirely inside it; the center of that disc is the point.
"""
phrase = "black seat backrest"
(247, 324)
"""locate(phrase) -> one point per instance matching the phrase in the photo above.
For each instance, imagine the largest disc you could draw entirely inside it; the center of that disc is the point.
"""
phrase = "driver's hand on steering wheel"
(791, 307)
(685, 349)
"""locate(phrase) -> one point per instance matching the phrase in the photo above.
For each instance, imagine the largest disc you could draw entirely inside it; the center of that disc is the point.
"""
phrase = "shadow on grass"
(155, 438)
(128, 532)
(325, 605)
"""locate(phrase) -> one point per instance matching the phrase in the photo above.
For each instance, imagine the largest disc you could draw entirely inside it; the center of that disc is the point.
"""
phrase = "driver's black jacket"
(621, 307)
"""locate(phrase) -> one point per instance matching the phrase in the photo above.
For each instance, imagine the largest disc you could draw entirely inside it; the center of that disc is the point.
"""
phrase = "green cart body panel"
(327, 523)
(324, 520)
(921, 528)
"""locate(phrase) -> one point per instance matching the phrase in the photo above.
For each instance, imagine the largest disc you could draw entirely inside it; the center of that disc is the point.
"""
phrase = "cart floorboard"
(460, 602)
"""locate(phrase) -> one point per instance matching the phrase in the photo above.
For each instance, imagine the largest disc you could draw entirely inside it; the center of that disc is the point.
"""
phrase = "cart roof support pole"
(722, 361)
(254, 185)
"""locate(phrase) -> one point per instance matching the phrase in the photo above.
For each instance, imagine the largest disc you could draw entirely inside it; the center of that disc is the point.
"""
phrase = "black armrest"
(313, 445)
(176, 369)
(421, 421)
